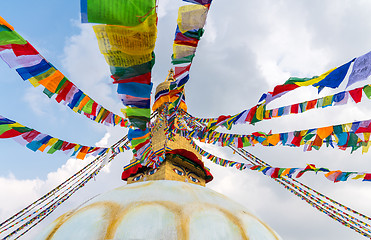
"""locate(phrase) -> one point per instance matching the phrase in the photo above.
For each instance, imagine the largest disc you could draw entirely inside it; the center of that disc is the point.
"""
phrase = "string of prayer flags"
(259, 112)
(30, 65)
(37, 141)
(333, 78)
(353, 135)
(141, 144)
(316, 199)
(276, 172)
(190, 23)
(116, 12)
(127, 41)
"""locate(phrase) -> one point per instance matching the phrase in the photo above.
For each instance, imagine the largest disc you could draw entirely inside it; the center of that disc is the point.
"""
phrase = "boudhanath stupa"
(168, 202)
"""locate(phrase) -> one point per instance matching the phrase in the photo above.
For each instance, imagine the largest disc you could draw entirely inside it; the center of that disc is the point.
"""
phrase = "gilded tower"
(182, 163)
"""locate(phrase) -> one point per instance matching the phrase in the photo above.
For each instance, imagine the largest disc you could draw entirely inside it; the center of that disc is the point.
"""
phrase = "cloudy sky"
(248, 48)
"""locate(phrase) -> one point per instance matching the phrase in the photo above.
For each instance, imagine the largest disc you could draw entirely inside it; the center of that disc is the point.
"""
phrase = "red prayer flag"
(10, 133)
(240, 143)
(275, 173)
(251, 114)
(68, 146)
(180, 38)
(5, 47)
(295, 108)
(296, 140)
(356, 94)
(284, 88)
(64, 91)
(364, 129)
(29, 136)
(24, 49)
(367, 177)
(311, 104)
(180, 70)
(144, 79)
(94, 109)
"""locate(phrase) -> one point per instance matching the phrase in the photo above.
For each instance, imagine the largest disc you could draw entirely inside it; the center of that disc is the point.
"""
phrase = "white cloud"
(36, 101)
(87, 68)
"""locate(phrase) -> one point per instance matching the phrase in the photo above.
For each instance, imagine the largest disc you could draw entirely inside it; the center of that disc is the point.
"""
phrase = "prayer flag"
(356, 94)
(361, 69)
(135, 89)
(334, 78)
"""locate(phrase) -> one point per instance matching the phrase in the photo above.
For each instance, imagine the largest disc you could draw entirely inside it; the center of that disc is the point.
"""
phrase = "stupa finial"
(170, 76)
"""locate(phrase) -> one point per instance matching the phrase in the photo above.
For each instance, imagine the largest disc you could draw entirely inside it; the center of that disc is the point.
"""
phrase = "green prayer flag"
(195, 34)
(22, 129)
(293, 80)
(139, 122)
(48, 93)
(52, 150)
(186, 59)
(56, 146)
(337, 129)
(141, 112)
(309, 136)
(316, 147)
(88, 108)
(367, 90)
(4, 128)
(352, 140)
(246, 142)
(119, 12)
(11, 37)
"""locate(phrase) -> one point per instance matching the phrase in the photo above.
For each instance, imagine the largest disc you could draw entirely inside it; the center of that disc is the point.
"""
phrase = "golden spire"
(182, 162)
(170, 76)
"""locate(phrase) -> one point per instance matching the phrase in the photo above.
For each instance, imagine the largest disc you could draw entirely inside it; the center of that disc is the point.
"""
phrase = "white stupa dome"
(160, 209)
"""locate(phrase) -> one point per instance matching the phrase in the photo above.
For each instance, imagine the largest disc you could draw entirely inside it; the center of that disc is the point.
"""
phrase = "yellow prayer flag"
(360, 176)
(366, 148)
(99, 116)
(262, 168)
(15, 125)
(314, 80)
(34, 82)
(137, 40)
(181, 51)
(121, 59)
(366, 135)
(52, 141)
(46, 74)
(191, 17)
(347, 127)
(260, 112)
